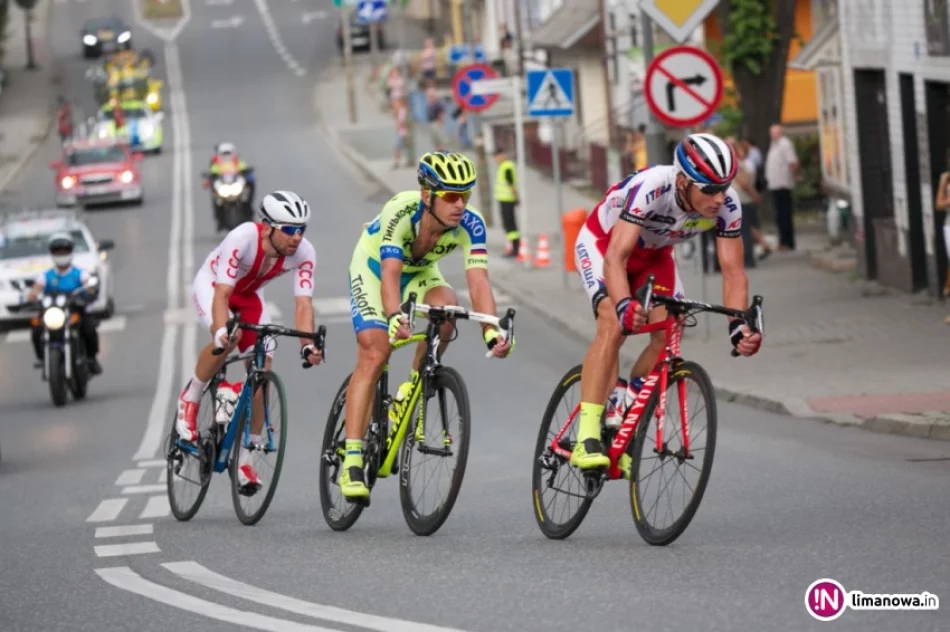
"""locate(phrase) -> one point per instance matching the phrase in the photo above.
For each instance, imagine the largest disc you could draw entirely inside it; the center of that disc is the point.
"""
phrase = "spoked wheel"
(265, 455)
(434, 462)
(338, 512)
(189, 470)
(660, 483)
(559, 490)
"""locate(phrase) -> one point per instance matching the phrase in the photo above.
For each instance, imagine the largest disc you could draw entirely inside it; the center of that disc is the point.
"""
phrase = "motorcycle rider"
(65, 277)
(226, 159)
(64, 118)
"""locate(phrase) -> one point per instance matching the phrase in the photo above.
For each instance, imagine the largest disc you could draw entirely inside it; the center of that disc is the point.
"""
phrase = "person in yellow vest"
(506, 193)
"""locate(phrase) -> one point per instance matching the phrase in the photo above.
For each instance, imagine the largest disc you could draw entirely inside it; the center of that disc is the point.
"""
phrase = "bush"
(158, 9)
(809, 167)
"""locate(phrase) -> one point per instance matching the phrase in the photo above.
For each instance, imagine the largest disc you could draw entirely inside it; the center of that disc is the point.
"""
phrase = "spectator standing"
(781, 173)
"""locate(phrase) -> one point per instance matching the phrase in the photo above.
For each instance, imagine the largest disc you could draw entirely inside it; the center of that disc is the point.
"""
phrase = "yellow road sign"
(678, 18)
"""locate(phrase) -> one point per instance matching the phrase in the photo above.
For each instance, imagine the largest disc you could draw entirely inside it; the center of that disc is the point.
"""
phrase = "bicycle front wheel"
(439, 443)
(266, 456)
(339, 513)
(189, 473)
(669, 472)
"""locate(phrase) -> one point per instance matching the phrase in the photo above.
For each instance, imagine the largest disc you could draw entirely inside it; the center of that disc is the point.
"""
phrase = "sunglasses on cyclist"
(454, 196)
(290, 230)
(713, 189)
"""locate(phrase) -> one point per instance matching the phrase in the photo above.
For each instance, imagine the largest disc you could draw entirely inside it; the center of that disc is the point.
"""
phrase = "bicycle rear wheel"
(273, 439)
(338, 512)
(189, 475)
(555, 523)
(647, 466)
(439, 444)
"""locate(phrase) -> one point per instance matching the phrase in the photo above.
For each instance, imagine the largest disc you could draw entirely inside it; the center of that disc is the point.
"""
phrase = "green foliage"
(732, 117)
(809, 166)
(751, 36)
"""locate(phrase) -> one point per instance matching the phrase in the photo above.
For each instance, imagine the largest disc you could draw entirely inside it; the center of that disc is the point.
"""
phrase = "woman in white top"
(942, 205)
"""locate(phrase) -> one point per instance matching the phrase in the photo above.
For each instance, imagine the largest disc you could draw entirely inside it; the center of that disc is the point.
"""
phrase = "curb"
(934, 425)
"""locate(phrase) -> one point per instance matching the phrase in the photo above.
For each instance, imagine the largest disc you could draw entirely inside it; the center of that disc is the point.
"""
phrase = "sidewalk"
(836, 349)
(26, 102)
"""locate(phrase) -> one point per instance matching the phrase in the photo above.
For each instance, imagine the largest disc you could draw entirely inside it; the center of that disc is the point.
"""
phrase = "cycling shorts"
(366, 290)
(252, 307)
(589, 254)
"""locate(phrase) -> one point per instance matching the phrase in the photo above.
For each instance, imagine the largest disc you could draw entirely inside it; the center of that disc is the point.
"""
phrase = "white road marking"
(163, 390)
(143, 489)
(276, 316)
(130, 477)
(232, 22)
(163, 476)
(129, 548)
(197, 573)
(124, 530)
(125, 578)
(108, 510)
(114, 324)
(156, 507)
(152, 463)
(275, 38)
(310, 16)
(218, 3)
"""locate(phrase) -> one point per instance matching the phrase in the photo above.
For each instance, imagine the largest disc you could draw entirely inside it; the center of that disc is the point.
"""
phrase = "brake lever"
(754, 319)
(319, 341)
(231, 326)
(506, 328)
(409, 310)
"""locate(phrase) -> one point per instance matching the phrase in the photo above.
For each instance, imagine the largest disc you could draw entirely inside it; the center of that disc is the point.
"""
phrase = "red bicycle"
(627, 459)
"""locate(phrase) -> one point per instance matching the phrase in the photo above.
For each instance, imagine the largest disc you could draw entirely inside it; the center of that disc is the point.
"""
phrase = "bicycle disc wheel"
(188, 475)
(273, 439)
(553, 472)
(669, 473)
(339, 513)
(439, 444)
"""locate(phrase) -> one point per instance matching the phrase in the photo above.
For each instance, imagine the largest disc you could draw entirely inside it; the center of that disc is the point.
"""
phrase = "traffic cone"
(543, 257)
(524, 251)
(508, 248)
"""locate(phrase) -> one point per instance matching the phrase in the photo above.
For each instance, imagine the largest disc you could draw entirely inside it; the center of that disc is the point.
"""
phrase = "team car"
(105, 35)
(141, 128)
(24, 253)
(96, 171)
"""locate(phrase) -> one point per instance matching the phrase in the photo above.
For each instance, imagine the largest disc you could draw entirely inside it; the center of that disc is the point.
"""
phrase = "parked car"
(359, 34)
(97, 171)
(24, 254)
(105, 35)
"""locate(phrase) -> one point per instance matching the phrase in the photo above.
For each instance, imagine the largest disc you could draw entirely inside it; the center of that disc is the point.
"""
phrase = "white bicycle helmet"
(61, 248)
(706, 160)
(226, 148)
(285, 207)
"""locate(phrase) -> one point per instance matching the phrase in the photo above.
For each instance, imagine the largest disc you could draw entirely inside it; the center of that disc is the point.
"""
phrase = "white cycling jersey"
(648, 199)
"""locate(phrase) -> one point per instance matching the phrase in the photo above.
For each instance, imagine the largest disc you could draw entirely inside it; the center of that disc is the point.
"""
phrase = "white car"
(24, 254)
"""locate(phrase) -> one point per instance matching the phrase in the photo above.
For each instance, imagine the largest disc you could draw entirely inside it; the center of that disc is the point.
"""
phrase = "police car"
(24, 254)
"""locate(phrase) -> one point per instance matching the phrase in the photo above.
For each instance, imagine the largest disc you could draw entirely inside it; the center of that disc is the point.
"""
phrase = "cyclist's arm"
(623, 240)
(303, 289)
(476, 263)
(396, 223)
(735, 283)
(238, 246)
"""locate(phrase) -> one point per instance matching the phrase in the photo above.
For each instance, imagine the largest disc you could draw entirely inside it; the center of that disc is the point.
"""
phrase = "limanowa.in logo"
(826, 600)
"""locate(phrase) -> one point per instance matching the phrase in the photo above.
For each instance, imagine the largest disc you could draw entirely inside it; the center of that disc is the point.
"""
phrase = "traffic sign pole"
(522, 170)
(655, 136)
(556, 152)
(348, 62)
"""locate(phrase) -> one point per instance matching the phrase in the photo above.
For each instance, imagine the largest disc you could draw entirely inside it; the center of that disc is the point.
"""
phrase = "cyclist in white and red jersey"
(232, 278)
(629, 236)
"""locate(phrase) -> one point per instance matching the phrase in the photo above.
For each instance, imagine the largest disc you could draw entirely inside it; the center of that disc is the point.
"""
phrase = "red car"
(96, 171)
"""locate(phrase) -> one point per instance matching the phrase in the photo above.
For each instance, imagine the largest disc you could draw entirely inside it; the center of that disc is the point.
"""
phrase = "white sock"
(192, 392)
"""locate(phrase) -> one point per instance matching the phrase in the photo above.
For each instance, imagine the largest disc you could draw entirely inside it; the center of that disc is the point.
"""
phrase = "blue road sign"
(465, 53)
(371, 11)
(550, 92)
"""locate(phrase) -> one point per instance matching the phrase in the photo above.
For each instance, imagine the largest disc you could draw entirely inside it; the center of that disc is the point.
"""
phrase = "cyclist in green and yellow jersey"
(398, 253)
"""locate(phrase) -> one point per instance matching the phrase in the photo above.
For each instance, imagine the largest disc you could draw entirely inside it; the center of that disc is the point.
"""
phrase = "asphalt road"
(789, 501)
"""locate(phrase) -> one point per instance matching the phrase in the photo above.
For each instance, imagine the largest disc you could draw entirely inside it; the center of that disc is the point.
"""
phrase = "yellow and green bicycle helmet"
(445, 171)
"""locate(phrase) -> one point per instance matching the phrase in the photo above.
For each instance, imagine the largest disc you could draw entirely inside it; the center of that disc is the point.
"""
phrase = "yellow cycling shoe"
(352, 484)
(588, 455)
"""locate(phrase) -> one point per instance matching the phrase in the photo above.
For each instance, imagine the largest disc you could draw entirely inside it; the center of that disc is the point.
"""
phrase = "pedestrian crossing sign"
(550, 92)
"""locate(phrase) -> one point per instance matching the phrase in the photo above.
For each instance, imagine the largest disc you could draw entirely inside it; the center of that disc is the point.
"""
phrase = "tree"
(755, 39)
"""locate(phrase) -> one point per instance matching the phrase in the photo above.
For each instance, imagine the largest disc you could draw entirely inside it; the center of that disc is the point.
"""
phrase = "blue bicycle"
(192, 464)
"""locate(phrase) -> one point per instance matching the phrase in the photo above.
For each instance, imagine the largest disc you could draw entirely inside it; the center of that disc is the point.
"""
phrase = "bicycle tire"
(172, 448)
(549, 528)
(449, 379)
(330, 437)
(664, 537)
(251, 519)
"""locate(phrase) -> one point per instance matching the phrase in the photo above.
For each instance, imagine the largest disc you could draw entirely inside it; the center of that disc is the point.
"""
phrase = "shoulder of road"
(836, 349)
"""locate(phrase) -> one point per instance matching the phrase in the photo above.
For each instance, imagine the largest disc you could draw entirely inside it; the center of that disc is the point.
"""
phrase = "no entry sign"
(462, 87)
(683, 86)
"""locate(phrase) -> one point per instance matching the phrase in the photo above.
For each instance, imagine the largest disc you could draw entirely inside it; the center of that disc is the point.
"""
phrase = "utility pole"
(475, 125)
(348, 61)
(655, 136)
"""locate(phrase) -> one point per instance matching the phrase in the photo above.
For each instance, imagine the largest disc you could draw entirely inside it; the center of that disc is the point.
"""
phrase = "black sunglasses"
(713, 189)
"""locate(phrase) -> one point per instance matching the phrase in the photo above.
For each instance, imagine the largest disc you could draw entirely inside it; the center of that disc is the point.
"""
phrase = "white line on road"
(130, 477)
(163, 476)
(218, 3)
(152, 463)
(192, 571)
(275, 38)
(124, 530)
(152, 438)
(232, 22)
(156, 507)
(143, 489)
(130, 548)
(108, 510)
(125, 578)
(310, 16)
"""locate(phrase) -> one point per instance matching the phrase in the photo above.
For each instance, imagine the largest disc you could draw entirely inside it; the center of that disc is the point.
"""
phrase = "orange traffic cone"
(543, 257)
(524, 251)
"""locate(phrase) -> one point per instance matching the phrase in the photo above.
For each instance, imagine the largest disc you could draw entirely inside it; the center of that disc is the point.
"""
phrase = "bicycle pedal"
(250, 489)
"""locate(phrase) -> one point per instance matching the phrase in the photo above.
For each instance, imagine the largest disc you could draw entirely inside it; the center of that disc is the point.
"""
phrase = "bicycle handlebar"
(752, 316)
(318, 337)
(505, 324)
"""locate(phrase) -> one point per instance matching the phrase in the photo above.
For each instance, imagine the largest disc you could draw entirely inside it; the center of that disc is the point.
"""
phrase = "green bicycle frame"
(396, 434)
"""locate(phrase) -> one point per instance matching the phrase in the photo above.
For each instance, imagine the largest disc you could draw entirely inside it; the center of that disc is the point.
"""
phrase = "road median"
(162, 9)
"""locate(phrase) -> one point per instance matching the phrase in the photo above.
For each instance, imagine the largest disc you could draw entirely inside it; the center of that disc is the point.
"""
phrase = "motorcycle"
(231, 196)
(65, 360)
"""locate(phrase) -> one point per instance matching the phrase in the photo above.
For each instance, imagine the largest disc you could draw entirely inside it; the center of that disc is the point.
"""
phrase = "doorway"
(938, 134)
(916, 251)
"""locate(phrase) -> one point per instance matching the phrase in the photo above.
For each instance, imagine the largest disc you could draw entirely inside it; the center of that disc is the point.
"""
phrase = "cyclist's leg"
(666, 282)
(599, 372)
(372, 353)
(253, 310)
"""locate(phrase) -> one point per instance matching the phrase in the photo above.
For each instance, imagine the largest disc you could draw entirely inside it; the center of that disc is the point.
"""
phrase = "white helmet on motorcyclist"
(61, 248)
(226, 149)
(285, 207)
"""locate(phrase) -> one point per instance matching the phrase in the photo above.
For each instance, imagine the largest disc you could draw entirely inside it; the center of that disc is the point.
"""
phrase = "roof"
(567, 25)
(820, 50)
(39, 221)
(90, 143)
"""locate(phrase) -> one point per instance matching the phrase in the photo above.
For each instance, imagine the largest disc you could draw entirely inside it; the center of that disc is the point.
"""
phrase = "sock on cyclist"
(633, 389)
(354, 453)
(590, 421)
(192, 392)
